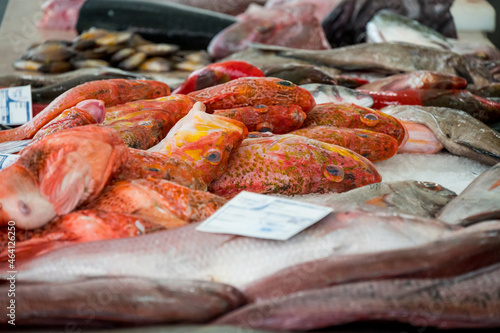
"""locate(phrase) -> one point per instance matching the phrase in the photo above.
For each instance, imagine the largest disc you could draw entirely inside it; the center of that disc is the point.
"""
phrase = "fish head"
(21, 200)
(93, 107)
(301, 96)
(203, 140)
(435, 192)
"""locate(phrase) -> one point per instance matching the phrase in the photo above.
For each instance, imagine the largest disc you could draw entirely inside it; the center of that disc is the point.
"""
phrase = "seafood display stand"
(18, 30)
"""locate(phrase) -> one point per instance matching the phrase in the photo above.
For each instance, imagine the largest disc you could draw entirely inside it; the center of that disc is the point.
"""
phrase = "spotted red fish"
(291, 164)
(355, 116)
(279, 119)
(250, 91)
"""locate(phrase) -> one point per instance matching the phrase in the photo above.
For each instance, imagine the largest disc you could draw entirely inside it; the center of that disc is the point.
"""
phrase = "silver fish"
(460, 133)
(156, 64)
(380, 57)
(412, 197)
(387, 26)
(463, 251)
(133, 61)
(326, 93)
(120, 300)
(479, 201)
(229, 259)
(158, 49)
(466, 301)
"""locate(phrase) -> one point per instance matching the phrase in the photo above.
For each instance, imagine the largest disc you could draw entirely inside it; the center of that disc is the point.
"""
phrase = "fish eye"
(431, 186)
(213, 156)
(369, 119)
(265, 129)
(23, 207)
(285, 83)
(334, 173)
(261, 108)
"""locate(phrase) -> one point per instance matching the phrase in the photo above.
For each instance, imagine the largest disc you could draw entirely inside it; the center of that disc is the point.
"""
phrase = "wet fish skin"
(278, 119)
(230, 259)
(387, 26)
(466, 301)
(247, 91)
(421, 140)
(122, 300)
(90, 111)
(424, 199)
(291, 164)
(324, 93)
(379, 56)
(416, 80)
(158, 201)
(76, 227)
(374, 146)
(58, 173)
(217, 73)
(111, 92)
(142, 164)
(478, 202)
(461, 252)
(204, 141)
(460, 133)
(354, 116)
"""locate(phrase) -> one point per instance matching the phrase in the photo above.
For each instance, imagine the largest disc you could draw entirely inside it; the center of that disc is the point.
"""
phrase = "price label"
(15, 105)
(262, 216)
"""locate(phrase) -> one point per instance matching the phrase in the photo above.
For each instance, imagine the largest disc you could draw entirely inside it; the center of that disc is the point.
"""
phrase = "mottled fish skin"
(416, 80)
(204, 141)
(254, 91)
(424, 199)
(121, 300)
(88, 112)
(76, 227)
(466, 301)
(111, 92)
(278, 119)
(291, 164)
(158, 201)
(478, 202)
(58, 173)
(142, 164)
(230, 259)
(462, 251)
(327, 93)
(374, 146)
(354, 116)
(460, 133)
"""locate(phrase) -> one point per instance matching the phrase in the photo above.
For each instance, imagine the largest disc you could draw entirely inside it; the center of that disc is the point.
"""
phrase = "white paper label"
(6, 160)
(9, 147)
(261, 216)
(15, 105)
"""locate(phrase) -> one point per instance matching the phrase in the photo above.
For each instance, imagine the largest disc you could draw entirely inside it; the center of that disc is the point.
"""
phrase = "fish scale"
(187, 253)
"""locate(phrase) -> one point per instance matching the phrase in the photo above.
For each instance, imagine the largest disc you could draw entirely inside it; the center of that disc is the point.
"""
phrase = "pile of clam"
(99, 47)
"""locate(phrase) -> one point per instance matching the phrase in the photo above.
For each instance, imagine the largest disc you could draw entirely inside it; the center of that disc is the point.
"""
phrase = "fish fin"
(64, 184)
(495, 185)
(160, 216)
(378, 201)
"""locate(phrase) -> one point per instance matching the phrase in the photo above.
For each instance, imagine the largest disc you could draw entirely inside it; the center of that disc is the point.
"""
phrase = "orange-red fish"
(279, 119)
(416, 80)
(76, 227)
(217, 73)
(142, 164)
(374, 146)
(111, 92)
(355, 116)
(88, 112)
(158, 201)
(204, 141)
(58, 173)
(249, 91)
(291, 164)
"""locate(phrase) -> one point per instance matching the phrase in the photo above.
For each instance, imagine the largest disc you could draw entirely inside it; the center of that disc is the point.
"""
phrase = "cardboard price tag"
(261, 216)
